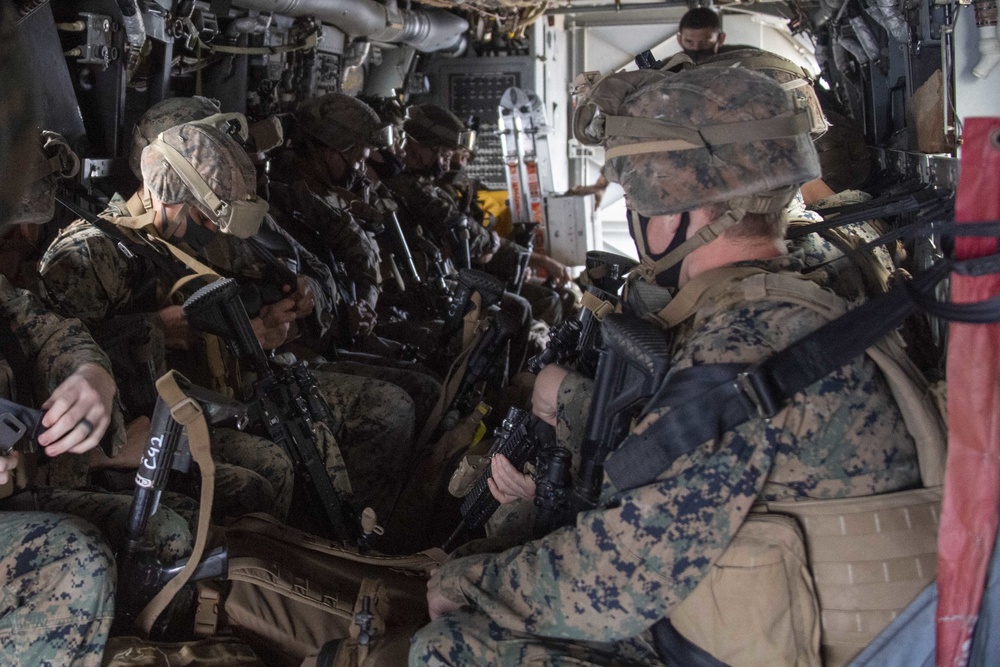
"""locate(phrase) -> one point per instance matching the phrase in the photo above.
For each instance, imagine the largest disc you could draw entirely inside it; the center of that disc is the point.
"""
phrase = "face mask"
(671, 278)
(197, 236)
(700, 54)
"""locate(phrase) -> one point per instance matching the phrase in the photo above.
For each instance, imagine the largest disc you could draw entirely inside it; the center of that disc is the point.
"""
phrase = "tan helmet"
(175, 111)
(341, 122)
(436, 127)
(54, 160)
(199, 165)
(17, 116)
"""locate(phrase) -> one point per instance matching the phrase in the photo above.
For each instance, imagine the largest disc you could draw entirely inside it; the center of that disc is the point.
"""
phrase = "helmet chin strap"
(170, 226)
(773, 201)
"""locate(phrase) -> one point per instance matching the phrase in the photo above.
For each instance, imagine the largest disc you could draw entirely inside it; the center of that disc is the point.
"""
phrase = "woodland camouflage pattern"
(58, 591)
(164, 115)
(424, 203)
(628, 563)
(670, 182)
(84, 274)
(856, 277)
(217, 158)
(338, 120)
(91, 275)
(316, 203)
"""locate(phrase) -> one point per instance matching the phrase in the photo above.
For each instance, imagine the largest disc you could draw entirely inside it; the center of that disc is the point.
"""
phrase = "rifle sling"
(712, 399)
(187, 412)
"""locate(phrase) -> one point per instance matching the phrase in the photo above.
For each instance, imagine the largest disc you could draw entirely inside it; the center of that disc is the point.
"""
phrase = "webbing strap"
(712, 399)
(598, 306)
(187, 412)
(686, 302)
(676, 649)
(673, 137)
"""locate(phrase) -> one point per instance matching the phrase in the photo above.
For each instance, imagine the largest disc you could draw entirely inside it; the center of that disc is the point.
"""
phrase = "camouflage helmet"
(175, 111)
(199, 165)
(791, 76)
(341, 121)
(436, 127)
(17, 115)
(677, 142)
(702, 136)
(54, 160)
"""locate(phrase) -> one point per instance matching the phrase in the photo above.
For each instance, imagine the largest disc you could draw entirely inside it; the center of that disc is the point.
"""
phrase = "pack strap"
(711, 399)
(598, 306)
(676, 649)
(187, 412)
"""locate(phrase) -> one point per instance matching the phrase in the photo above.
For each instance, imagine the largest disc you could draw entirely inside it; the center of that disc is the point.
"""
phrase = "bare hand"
(437, 604)
(177, 333)
(361, 318)
(507, 483)
(85, 396)
(274, 323)
(557, 272)
(7, 464)
(304, 297)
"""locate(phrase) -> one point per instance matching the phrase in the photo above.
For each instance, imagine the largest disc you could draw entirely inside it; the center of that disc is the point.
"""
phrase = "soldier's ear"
(719, 42)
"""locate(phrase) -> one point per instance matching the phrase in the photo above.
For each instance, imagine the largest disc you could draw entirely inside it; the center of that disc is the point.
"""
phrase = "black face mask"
(391, 165)
(698, 55)
(670, 278)
(197, 236)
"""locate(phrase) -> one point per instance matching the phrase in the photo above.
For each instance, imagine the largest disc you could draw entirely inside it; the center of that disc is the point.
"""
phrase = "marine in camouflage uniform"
(56, 571)
(86, 275)
(588, 593)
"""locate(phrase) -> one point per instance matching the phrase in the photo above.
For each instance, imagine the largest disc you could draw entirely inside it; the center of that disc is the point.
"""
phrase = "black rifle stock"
(481, 363)
(141, 574)
(278, 403)
(589, 344)
(632, 365)
(517, 438)
(470, 281)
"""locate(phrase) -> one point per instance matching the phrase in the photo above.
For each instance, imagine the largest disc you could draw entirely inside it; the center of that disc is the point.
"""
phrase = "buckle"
(12, 430)
(760, 399)
(186, 411)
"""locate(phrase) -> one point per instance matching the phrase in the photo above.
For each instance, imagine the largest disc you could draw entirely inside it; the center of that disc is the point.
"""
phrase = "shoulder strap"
(712, 399)
(187, 412)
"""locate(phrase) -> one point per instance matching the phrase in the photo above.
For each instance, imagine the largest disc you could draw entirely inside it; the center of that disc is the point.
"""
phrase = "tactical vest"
(812, 582)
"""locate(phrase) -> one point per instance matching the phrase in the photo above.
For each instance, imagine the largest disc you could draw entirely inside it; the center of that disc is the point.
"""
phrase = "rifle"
(430, 293)
(141, 574)
(458, 238)
(589, 343)
(633, 363)
(561, 348)
(256, 294)
(469, 281)
(482, 361)
(277, 403)
(518, 438)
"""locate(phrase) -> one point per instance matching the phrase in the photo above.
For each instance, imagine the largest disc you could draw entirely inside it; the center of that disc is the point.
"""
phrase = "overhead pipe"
(424, 29)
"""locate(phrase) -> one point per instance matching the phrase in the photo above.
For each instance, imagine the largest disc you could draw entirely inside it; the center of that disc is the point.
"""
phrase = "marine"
(591, 591)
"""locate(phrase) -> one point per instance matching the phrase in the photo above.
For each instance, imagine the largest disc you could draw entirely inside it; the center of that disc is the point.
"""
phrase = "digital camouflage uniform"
(856, 278)
(86, 275)
(596, 587)
(85, 270)
(628, 563)
(58, 347)
(56, 572)
(57, 600)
